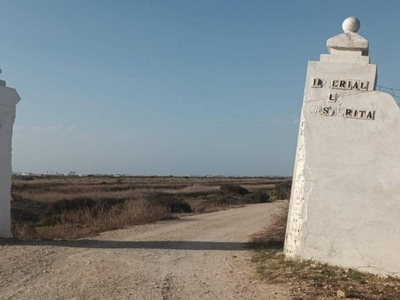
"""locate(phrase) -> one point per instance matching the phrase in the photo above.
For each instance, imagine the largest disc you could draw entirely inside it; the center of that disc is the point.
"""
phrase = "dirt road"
(195, 257)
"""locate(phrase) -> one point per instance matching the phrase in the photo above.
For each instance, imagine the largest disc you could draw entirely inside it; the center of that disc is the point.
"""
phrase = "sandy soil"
(195, 257)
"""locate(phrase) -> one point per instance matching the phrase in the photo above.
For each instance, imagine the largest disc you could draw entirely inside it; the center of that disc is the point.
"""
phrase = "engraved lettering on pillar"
(341, 84)
(363, 85)
(333, 97)
(317, 83)
(355, 85)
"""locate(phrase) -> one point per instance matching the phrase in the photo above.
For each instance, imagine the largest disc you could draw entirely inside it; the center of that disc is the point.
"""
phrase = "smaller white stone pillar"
(8, 100)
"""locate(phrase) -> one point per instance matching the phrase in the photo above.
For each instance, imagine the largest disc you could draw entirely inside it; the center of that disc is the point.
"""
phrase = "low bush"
(233, 189)
(171, 202)
(82, 203)
(283, 190)
(257, 197)
(24, 216)
(27, 211)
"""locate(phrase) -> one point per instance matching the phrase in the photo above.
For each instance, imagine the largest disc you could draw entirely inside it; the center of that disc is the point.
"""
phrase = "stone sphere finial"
(351, 24)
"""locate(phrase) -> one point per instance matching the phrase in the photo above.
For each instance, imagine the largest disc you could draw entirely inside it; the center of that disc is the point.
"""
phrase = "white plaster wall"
(345, 205)
(8, 99)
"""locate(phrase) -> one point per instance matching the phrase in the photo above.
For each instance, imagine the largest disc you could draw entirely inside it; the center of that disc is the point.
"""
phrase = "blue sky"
(172, 87)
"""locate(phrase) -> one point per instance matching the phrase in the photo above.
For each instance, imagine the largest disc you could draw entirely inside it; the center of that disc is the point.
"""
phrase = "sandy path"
(196, 257)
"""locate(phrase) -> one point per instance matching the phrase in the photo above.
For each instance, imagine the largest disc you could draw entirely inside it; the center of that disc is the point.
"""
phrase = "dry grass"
(194, 190)
(83, 223)
(72, 207)
(311, 280)
(45, 189)
(274, 233)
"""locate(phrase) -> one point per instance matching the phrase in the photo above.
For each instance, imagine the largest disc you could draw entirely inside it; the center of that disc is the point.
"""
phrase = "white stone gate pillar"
(345, 202)
(8, 100)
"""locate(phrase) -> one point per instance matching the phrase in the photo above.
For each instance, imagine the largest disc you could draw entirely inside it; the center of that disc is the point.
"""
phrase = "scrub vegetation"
(73, 207)
(311, 280)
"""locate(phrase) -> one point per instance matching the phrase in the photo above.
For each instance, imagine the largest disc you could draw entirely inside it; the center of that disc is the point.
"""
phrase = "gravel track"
(194, 257)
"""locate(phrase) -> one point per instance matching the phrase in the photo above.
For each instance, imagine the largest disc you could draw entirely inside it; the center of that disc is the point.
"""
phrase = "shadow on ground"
(96, 244)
